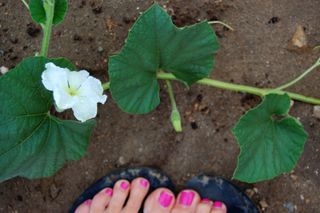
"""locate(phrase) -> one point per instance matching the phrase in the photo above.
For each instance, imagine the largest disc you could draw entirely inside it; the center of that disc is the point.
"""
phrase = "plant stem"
(47, 28)
(222, 23)
(175, 115)
(313, 67)
(316, 47)
(25, 3)
(242, 88)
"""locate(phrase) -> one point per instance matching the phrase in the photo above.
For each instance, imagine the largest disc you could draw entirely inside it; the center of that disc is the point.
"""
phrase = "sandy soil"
(255, 54)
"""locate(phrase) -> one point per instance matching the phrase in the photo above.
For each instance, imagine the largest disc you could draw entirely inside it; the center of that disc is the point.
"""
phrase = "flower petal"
(54, 76)
(63, 99)
(75, 79)
(57, 108)
(85, 109)
(93, 90)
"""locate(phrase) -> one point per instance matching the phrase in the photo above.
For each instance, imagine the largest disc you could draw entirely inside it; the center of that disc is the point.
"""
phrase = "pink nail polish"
(165, 199)
(186, 198)
(206, 200)
(88, 202)
(144, 183)
(124, 185)
(108, 192)
(217, 204)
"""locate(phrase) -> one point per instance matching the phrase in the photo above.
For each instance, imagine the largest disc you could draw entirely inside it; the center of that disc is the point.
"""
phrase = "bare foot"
(128, 197)
(114, 200)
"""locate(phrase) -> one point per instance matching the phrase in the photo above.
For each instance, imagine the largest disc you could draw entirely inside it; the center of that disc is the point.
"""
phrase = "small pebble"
(263, 204)
(293, 177)
(4, 70)
(316, 112)
(289, 206)
(299, 38)
(302, 197)
(250, 193)
(121, 161)
(100, 49)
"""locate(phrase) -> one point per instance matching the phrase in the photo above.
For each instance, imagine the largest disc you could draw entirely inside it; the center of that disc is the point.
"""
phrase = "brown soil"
(255, 54)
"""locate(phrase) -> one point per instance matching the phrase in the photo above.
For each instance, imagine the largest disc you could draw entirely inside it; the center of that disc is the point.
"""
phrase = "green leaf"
(154, 43)
(271, 141)
(38, 12)
(34, 143)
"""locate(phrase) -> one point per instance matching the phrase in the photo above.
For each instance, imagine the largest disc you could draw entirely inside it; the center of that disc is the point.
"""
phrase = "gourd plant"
(34, 143)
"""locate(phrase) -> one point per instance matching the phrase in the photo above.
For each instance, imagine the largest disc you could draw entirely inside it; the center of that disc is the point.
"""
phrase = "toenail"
(88, 202)
(124, 185)
(165, 199)
(186, 198)
(217, 204)
(108, 192)
(206, 200)
(144, 183)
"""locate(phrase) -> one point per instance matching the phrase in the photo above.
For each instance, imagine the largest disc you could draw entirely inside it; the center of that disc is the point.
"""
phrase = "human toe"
(138, 191)
(205, 206)
(120, 193)
(219, 207)
(101, 200)
(159, 201)
(84, 207)
(187, 202)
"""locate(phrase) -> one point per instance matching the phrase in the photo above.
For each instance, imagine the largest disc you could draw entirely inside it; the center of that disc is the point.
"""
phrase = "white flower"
(76, 90)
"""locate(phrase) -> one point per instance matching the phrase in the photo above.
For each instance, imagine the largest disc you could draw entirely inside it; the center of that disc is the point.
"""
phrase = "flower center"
(72, 92)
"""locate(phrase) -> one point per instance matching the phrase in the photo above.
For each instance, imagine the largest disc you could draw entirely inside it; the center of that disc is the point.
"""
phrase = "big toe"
(159, 201)
(187, 202)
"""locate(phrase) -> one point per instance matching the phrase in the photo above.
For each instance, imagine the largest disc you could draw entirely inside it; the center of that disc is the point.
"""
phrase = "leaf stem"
(47, 28)
(25, 3)
(175, 115)
(242, 88)
(222, 23)
(306, 72)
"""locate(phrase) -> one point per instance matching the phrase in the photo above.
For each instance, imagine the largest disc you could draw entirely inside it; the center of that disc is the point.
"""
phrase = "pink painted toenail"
(108, 192)
(165, 199)
(186, 198)
(144, 183)
(217, 204)
(124, 185)
(88, 202)
(206, 200)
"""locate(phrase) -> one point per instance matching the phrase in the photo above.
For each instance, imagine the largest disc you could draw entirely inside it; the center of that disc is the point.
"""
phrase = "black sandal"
(219, 189)
(155, 177)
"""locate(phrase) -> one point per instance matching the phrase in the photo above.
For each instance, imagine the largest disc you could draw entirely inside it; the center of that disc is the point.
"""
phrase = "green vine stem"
(25, 3)
(248, 89)
(242, 88)
(310, 69)
(175, 114)
(47, 28)
(222, 23)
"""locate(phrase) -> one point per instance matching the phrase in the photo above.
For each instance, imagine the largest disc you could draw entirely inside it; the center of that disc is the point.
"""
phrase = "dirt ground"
(255, 54)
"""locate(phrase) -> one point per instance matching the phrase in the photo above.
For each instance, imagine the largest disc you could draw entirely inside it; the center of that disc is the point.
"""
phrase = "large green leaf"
(38, 12)
(271, 141)
(154, 43)
(34, 143)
